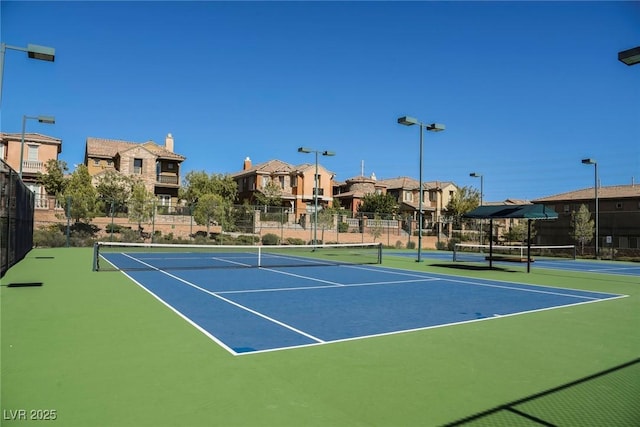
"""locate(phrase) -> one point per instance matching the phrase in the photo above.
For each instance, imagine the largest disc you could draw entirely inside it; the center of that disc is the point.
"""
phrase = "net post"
(95, 266)
(455, 247)
(259, 256)
(380, 253)
(574, 252)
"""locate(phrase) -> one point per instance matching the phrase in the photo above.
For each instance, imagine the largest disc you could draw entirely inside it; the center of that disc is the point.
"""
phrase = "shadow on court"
(473, 267)
(605, 398)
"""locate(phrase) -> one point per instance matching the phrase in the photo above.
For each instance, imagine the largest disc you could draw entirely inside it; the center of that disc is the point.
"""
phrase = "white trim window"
(32, 154)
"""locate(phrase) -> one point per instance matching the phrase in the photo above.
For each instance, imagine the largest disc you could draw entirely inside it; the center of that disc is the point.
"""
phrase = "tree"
(271, 195)
(518, 232)
(81, 195)
(582, 226)
(376, 227)
(210, 208)
(463, 201)
(141, 204)
(114, 189)
(198, 183)
(54, 180)
(378, 204)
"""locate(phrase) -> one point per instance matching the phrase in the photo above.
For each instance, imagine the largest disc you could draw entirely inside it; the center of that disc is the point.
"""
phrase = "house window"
(109, 162)
(32, 154)
(318, 180)
(294, 181)
(170, 166)
(619, 205)
(2, 151)
(567, 208)
(408, 196)
(164, 200)
(137, 166)
(281, 179)
(96, 162)
(265, 181)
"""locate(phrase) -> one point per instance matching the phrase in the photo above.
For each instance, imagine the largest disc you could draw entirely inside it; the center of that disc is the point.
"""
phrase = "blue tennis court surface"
(589, 266)
(250, 310)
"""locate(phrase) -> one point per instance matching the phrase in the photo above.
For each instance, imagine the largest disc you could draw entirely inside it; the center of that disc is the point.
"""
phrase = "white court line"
(291, 328)
(338, 285)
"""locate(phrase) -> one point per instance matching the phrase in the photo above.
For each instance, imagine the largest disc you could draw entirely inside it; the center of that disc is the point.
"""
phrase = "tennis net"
(112, 256)
(475, 252)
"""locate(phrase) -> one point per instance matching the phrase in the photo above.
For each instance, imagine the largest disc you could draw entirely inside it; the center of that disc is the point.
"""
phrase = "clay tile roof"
(109, 148)
(610, 192)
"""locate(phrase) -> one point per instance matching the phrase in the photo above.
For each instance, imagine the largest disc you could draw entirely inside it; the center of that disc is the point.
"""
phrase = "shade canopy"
(530, 211)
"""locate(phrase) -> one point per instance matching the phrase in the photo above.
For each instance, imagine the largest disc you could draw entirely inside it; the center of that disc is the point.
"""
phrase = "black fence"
(16, 218)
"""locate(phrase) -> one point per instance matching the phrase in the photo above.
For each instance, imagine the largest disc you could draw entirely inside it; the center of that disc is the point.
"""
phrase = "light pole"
(630, 56)
(42, 119)
(34, 51)
(433, 127)
(595, 169)
(477, 175)
(315, 187)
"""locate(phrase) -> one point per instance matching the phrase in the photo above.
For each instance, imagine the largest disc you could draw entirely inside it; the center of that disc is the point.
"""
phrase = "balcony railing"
(32, 166)
(47, 203)
(167, 179)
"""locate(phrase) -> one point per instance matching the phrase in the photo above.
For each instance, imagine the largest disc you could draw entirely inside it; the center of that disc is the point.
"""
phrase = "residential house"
(157, 166)
(618, 216)
(296, 184)
(351, 192)
(36, 151)
(436, 195)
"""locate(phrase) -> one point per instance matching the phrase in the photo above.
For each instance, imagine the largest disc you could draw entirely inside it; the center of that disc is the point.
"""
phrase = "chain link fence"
(16, 218)
(214, 224)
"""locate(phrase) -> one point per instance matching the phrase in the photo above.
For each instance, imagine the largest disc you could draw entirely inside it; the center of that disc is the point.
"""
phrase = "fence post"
(68, 220)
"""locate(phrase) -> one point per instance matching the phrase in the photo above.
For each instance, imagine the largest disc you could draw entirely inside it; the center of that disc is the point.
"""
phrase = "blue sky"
(525, 89)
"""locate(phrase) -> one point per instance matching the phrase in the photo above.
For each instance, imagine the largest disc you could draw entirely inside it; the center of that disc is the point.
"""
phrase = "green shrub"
(452, 244)
(270, 239)
(399, 244)
(245, 239)
(411, 245)
(442, 246)
(113, 228)
(343, 227)
(49, 237)
(294, 241)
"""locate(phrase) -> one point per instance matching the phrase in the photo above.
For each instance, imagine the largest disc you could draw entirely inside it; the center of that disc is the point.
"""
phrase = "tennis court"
(248, 310)
(483, 347)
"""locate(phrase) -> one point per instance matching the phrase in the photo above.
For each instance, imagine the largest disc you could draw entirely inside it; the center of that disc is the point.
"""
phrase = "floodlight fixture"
(630, 56)
(304, 150)
(408, 121)
(435, 127)
(47, 119)
(588, 162)
(43, 53)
